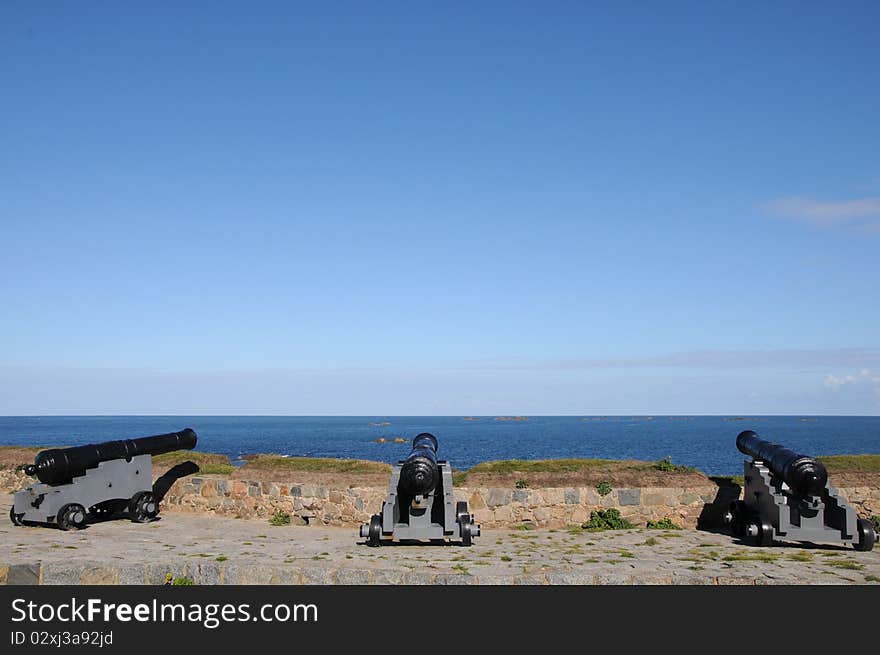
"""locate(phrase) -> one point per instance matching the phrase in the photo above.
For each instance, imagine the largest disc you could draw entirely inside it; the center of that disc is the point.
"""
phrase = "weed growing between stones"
(280, 517)
(751, 557)
(846, 564)
(663, 524)
(603, 488)
(606, 519)
(803, 556)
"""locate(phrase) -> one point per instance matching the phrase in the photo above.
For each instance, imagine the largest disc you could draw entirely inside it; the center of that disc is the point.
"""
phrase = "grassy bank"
(511, 472)
(209, 463)
(313, 464)
(851, 463)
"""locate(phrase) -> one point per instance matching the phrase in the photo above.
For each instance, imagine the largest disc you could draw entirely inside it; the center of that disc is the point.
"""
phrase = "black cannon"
(96, 480)
(421, 504)
(787, 497)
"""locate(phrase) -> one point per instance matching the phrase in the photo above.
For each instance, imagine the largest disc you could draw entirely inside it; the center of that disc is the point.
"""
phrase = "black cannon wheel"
(464, 524)
(72, 517)
(143, 507)
(375, 533)
(15, 518)
(765, 534)
(738, 515)
(867, 535)
(461, 509)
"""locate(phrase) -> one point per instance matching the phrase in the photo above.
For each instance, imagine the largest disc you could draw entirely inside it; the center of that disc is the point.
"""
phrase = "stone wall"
(493, 507)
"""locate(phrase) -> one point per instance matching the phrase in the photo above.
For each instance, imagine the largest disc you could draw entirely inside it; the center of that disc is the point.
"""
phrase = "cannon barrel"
(801, 473)
(61, 465)
(419, 474)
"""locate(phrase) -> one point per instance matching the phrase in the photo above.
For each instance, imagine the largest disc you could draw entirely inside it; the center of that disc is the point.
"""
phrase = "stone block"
(497, 497)
(60, 573)
(417, 578)
(319, 576)
(454, 579)
(613, 579)
(385, 577)
(529, 580)
(23, 574)
(353, 577)
(100, 575)
(571, 579)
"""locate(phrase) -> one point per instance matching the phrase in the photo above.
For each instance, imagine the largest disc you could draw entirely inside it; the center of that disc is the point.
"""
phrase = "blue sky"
(439, 209)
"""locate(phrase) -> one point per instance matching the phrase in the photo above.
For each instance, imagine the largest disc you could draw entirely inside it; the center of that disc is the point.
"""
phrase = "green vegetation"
(221, 558)
(876, 521)
(845, 564)
(650, 541)
(851, 463)
(459, 478)
(667, 466)
(209, 463)
(663, 524)
(871, 578)
(314, 464)
(750, 557)
(524, 526)
(803, 556)
(606, 519)
(280, 517)
(553, 465)
(181, 581)
(603, 488)
(521, 484)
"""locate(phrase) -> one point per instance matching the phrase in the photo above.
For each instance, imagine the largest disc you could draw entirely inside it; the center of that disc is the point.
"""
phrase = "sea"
(705, 442)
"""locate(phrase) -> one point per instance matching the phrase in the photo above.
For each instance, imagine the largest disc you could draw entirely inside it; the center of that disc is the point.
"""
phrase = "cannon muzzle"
(802, 474)
(60, 465)
(419, 474)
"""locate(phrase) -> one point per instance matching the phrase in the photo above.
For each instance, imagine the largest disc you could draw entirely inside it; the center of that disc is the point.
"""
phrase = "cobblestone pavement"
(214, 550)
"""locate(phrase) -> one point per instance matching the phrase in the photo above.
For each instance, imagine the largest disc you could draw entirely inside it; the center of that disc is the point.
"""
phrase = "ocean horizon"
(703, 441)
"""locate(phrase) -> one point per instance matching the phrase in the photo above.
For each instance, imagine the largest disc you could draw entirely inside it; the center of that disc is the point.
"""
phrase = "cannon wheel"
(72, 516)
(738, 513)
(461, 509)
(15, 518)
(375, 532)
(765, 534)
(464, 524)
(867, 536)
(143, 507)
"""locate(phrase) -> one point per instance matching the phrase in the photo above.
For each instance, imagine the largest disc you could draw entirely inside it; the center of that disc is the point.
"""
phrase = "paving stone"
(23, 574)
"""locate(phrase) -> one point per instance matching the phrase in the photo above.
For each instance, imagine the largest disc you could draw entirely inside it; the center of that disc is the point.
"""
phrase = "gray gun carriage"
(787, 497)
(95, 481)
(420, 504)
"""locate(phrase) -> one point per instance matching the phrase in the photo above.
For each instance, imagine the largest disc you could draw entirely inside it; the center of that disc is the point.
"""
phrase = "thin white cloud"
(865, 376)
(780, 358)
(862, 214)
